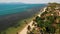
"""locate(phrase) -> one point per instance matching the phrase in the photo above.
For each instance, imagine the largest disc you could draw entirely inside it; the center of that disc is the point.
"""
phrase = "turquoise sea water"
(16, 8)
(11, 14)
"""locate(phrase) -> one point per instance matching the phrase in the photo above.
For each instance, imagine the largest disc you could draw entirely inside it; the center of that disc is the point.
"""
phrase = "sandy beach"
(24, 31)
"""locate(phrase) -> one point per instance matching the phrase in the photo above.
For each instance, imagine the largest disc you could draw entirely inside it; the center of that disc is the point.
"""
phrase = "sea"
(20, 11)
(11, 13)
(11, 8)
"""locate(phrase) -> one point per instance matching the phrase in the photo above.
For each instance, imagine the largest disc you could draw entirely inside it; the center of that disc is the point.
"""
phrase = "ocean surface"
(10, 14)
(16, 8)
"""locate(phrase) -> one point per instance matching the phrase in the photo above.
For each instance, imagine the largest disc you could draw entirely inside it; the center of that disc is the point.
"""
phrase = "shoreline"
(25, 29)
(24, 23)
(21, 20)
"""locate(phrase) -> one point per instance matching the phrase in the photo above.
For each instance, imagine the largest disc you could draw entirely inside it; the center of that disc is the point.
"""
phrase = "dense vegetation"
(49, 22)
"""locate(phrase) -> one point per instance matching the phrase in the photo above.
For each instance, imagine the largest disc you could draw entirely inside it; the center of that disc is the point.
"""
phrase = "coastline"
(42, 11)
(20, 27)
(24, 30)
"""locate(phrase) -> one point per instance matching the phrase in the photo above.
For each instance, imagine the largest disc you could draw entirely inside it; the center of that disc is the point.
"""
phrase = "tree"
(47, 23)
(40, 23)
(51, 18)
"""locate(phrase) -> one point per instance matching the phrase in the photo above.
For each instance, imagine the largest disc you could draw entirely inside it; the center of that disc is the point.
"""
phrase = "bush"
(47, 23)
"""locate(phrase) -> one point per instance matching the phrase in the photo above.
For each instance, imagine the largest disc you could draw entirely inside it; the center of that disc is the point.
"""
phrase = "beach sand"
(24, 31)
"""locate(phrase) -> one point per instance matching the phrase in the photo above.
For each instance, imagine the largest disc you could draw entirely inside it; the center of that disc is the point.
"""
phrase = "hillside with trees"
(49, 21)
